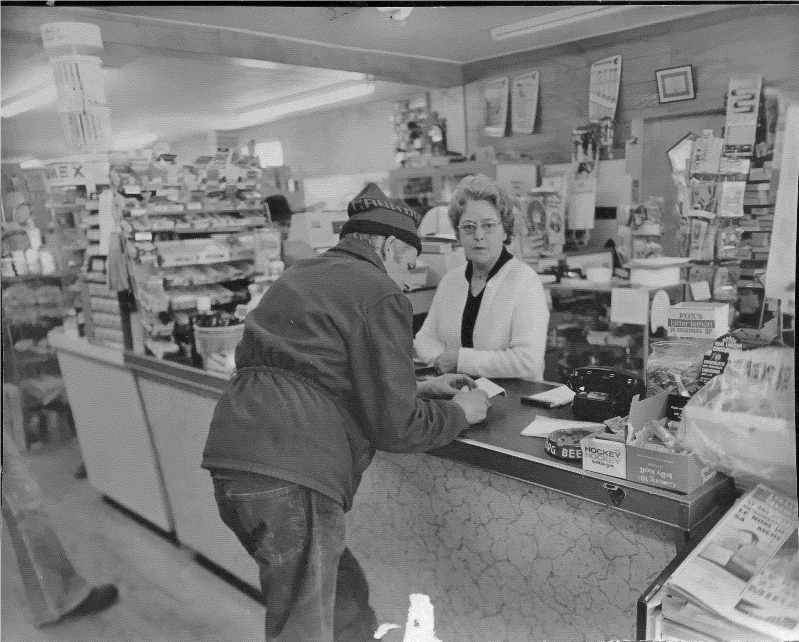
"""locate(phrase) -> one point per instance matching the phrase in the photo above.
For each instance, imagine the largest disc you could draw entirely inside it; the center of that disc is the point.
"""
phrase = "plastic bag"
(742, 423)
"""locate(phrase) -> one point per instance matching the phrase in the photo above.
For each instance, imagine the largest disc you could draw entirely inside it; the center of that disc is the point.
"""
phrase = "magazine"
(746, 569)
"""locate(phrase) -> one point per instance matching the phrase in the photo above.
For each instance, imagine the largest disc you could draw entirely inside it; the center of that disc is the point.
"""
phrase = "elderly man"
(324, 378)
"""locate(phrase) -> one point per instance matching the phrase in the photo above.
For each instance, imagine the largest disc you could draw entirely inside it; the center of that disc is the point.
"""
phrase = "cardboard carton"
(698, 320)
(679, 472)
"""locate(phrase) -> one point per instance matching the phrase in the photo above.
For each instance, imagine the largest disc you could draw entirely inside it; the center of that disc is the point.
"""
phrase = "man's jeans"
(52, 585)
(314, 589)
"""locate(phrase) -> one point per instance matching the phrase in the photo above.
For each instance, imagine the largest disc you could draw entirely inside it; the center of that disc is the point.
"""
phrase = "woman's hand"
(445, 386)
(447, 361)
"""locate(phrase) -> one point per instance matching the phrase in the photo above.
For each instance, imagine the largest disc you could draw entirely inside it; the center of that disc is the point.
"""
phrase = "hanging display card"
(743, 100)
(706, 153)
(604, 90)
(555, 189)
(731, 199)
(524, 103)
(496, 104)
(703, 196)
(585, 154)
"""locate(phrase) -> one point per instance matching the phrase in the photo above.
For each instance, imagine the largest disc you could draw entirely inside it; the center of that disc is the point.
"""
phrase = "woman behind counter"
(488, 318)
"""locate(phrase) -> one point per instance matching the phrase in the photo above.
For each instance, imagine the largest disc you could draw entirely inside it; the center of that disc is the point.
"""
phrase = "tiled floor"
(164, 593)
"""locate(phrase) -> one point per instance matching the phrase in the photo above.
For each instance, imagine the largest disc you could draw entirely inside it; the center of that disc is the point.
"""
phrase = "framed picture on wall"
(675, 84)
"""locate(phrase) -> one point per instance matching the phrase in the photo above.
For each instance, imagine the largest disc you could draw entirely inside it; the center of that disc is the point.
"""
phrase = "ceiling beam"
(150, 35)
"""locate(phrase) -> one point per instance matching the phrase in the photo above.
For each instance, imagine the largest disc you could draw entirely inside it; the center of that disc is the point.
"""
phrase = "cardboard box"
(603, 456)
(683, 473)
(679, 472)
(698, 320)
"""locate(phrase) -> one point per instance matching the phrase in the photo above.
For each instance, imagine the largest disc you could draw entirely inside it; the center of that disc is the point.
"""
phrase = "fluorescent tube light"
(551, 20)
(38, 98)
(35, 78)
(397, 13)
(133, 141)
(30, 163)
(273, 112)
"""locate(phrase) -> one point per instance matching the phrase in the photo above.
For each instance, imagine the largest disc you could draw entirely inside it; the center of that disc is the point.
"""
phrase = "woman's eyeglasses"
(469, 229)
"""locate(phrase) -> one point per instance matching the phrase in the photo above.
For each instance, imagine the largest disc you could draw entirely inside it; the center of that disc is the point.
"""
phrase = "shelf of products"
(581, 332)
(198, 240)
(34, 397)
(424, 187)
(727, 197)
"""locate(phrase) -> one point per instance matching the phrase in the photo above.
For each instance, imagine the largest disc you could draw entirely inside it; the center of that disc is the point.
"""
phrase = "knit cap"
(372, 212)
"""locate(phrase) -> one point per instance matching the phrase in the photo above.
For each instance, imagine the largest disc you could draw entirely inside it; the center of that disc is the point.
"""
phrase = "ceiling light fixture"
(133, 141)
(551, 20)
(30, 163)
(35, 78)
(273, 112)
(397, 13)
(38, 98)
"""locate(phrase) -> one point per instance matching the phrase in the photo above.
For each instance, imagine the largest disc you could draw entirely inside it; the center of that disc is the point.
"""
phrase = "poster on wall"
(524, 103)
(604, 89)
(585, 154)
(743, 100)
(496, 102)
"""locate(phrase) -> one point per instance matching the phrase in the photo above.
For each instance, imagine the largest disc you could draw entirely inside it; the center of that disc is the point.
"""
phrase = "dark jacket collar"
(504, 257)
(360, 250)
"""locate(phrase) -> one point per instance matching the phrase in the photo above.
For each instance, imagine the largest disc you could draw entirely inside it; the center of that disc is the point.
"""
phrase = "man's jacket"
(325, 377)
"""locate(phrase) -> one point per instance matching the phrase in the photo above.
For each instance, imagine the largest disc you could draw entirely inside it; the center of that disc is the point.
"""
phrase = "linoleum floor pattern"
(164, 593)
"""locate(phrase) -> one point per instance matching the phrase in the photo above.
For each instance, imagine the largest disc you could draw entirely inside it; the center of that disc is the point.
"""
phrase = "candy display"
(673, 367)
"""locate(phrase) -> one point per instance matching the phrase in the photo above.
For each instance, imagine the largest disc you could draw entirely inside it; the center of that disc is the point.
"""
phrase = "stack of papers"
(560, 396)
(543, 426)
(489, 387)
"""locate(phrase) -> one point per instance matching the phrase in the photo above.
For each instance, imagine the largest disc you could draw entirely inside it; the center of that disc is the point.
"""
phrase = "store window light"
(270, 153)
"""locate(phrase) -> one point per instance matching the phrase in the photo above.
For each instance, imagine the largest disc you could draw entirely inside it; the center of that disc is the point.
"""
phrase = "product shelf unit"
(582, 334)
(194, 245)
(35, 406)
(425, 187)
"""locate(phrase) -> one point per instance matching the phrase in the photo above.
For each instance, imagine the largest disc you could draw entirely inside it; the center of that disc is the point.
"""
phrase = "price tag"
(700, 291)
(143, 236)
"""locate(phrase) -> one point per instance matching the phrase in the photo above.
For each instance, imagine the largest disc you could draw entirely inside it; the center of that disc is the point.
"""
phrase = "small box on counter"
(681, 472)
(698, 320)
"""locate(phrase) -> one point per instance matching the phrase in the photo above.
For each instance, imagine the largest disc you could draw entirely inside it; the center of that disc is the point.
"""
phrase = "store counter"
(504, 539)
(111, 426)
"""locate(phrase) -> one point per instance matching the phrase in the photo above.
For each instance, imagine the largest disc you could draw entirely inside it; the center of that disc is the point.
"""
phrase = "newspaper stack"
(741, 583)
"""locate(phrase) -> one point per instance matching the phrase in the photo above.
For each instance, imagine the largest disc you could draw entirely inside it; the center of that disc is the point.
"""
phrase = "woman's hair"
(481, 188)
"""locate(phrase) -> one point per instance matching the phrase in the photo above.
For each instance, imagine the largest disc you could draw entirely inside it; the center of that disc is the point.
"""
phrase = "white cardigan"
(510, 332)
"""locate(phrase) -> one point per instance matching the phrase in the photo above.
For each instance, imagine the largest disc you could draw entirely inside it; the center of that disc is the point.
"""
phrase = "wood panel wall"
(740, 40)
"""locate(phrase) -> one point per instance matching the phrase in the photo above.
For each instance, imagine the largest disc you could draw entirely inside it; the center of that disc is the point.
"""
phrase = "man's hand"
(445, 386)
(475, 404)
(447, 361)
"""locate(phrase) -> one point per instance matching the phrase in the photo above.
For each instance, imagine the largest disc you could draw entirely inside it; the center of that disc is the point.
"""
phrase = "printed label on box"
(676, 404)
(603, 456)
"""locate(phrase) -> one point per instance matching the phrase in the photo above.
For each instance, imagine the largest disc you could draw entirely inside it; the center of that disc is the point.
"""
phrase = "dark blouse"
(473, 302)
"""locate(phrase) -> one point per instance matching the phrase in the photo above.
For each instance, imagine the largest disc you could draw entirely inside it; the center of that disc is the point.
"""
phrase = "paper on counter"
(489, 387)
(542, 426)
(559, 396)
